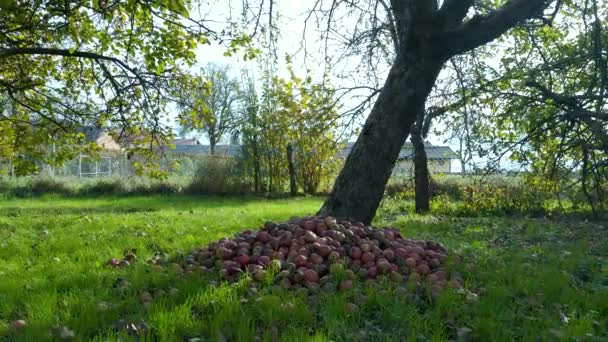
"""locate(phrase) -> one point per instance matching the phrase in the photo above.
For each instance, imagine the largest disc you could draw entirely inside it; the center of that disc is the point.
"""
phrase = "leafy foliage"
(220, 175)
(209, 104)
(544, 105)
(310, 112)
(496, 195)
(110, 64)
(297, 112)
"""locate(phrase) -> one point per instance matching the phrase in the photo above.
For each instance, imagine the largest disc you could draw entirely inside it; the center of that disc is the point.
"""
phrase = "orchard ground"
(526, 278)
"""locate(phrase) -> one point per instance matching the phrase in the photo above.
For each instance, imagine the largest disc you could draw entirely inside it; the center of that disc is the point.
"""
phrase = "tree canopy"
(65, 64)
(209, 104)
(538, 98)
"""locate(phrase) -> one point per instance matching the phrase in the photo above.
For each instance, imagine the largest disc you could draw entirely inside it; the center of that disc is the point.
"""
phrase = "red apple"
(355, 252)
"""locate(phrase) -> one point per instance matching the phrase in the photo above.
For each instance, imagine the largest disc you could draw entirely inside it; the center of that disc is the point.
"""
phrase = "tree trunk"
(461, 155)
(212, 144)
(256, 169)
(463, 166)
(269, 172)
(293, 187)
(421, 174)
(359, 188)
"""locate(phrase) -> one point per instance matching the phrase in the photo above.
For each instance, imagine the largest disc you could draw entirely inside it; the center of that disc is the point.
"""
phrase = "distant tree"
(289, 132)
(211, 107)
(422, 176)
(309, 111)
(273, 137)
(249, 129)
(293, 183)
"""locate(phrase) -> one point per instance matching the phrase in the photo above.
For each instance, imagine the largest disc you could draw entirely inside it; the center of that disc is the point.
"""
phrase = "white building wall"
(405, 168)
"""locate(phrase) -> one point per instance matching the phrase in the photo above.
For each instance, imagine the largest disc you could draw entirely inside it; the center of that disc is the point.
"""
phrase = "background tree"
(211, 107)
(310, 116)
(296, 113)
(249, 128)
(455, 97)
(293, 183)
(273, 128)
(421, 170)
(311, 112)
(422, 176)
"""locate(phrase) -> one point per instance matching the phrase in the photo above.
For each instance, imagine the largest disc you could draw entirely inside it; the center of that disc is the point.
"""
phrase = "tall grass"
(497, 195)
(34, 186)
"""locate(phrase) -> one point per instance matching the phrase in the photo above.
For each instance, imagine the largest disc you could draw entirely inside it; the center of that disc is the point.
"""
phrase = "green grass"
(536, 279)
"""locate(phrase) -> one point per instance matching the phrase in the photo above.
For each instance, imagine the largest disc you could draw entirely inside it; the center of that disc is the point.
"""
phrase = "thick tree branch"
(431, 114)
(452, 12)
(594, 120)
(575, 108)
(483, 29)
(391, 25)
(402, 15)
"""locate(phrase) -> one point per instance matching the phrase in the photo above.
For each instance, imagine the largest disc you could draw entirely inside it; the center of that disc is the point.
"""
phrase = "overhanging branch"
(452, 12)
(5, 53)
(483, 29)
(595, 121)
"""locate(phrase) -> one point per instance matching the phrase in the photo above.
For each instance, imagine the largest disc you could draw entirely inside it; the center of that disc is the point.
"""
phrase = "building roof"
(220, 150)
(407, 151)
(101, 137)
(91, 133)
(186, 142)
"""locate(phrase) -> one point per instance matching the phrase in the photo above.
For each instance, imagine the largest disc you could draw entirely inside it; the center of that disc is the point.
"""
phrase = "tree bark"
(421, 174)
(212, 144)
(420, 131)
(256, 169)
(293, 187)
(359, 188)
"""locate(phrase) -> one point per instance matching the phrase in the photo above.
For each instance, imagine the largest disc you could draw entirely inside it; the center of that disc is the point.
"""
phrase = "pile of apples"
(308, 252)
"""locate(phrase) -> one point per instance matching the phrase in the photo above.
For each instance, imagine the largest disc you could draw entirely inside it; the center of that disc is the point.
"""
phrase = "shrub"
(403, 187)
(504, 199)
(480, 195)
(446, 186)
(220, 176)
(70, 186)
(48, 185)
(164, 188)
(104, 187)
(34, 186)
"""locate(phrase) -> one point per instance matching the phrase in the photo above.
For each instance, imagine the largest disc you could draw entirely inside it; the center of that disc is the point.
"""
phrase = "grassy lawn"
(526, 279)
